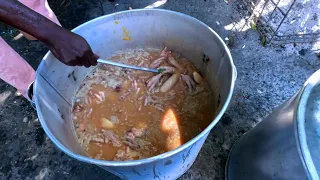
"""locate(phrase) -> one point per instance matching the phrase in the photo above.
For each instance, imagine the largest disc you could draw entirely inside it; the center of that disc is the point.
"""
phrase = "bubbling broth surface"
(122, 114)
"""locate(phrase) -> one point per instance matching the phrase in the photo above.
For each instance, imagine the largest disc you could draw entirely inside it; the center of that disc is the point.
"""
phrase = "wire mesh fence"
(286, 21)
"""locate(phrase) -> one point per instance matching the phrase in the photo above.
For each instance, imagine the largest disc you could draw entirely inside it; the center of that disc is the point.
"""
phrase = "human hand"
(71, 49)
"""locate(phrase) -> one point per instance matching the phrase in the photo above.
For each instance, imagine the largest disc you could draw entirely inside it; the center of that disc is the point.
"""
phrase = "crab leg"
(189, 81)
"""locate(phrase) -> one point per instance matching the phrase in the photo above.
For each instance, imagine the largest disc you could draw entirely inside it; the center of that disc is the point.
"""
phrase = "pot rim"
(300, 128)
(160, 156)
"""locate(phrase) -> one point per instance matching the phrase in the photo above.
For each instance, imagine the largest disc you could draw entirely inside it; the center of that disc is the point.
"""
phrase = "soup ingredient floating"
(122, 114)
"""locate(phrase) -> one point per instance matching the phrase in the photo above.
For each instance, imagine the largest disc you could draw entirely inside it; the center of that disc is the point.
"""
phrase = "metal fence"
(286, 21)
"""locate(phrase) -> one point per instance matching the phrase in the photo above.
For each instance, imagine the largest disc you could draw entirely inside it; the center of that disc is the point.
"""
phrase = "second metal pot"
(285, 145)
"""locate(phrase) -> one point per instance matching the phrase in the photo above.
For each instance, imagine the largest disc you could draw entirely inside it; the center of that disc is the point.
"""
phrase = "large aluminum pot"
(56, 84)
(285, 145)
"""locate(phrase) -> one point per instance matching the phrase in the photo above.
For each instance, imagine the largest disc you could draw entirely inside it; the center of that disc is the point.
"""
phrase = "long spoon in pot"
(129, 66)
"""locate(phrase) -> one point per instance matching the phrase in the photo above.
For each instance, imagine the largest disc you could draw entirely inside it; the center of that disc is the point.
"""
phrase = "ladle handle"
(127, 66)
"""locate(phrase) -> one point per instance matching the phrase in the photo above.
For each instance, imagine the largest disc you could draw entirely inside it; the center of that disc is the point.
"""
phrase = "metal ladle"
(129, 66)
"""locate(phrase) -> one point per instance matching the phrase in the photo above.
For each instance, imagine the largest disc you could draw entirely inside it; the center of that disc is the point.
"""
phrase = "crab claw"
(165, 52)
(151, 83)
(156, 63)
(189, 81)
(167, 69)
(174, 63)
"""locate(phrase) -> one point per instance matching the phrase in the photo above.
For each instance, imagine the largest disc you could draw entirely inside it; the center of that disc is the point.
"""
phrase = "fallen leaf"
(253, 26)
(263, 40)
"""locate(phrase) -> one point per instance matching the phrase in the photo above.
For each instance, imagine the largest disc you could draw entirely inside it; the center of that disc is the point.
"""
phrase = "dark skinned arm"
(70, 48)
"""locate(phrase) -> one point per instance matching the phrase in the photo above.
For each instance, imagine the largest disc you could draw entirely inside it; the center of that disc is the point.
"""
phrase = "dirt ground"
(267, 76)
